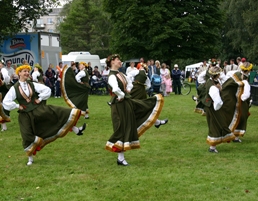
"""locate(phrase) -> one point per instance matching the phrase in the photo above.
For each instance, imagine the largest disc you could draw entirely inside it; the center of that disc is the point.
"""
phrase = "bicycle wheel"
(185, 88)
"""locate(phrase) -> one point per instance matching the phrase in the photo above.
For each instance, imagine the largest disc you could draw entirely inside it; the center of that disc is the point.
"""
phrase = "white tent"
(193, 66)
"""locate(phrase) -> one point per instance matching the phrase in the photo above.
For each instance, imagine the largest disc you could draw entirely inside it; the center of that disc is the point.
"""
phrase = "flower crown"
(112, 57)
(20, 68)
(246, 66)
(83, 63)
(37, 66)
(215, 70)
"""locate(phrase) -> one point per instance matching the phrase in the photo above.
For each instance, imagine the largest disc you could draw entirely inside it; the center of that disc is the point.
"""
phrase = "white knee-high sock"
(75, 129)
(3, 125)
(121, 156)
(157, 122)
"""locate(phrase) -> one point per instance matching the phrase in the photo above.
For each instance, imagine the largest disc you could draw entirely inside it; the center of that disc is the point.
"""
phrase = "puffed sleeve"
(246, 94)
(147, 83)
(215, 96)
(9, 100)
(132, 74)
(80, 75)
(43, 90)
(35, 75)
(6, 77)
(201, 77)
(115, 88)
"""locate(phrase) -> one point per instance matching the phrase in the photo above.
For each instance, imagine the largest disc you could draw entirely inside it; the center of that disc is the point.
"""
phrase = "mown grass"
(172, 164)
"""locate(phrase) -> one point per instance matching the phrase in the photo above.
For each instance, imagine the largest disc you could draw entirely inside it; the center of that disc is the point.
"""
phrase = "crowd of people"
(163, 80)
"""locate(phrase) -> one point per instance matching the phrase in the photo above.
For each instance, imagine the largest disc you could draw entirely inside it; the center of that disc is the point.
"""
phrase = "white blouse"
(9, 100)
(80, 75)
(6, 77)
(112, 81)
(215, 96)
(35, 76)
(131, 75)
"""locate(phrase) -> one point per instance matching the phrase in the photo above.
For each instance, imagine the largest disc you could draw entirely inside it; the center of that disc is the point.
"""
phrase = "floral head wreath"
(20, 68)
(246, 66)
(83, 63)
(112, 57)
(215, 70)
(37, 66)
(213, 62)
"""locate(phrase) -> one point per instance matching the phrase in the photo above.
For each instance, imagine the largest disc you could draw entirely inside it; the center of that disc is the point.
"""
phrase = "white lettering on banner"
(19, 57)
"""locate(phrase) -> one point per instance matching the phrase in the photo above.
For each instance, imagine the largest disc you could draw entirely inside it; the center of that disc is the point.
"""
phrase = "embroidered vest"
(122, 83)
(29, 104)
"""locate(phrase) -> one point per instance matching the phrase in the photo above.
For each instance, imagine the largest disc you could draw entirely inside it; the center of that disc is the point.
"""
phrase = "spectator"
(152, 69)
(176, 76)
(50, 74)
(130, 68)
(10, 70)
(58, 80)
(166, 80)
(96, 72)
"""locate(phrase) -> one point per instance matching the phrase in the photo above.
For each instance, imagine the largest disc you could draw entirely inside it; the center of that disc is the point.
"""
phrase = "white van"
(94, 59)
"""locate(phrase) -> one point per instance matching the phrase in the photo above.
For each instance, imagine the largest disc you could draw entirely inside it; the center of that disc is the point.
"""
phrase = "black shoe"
(194, 98)
(166, 121)
(82, 129)
(213, 150)
(238, 140)
(122, 163)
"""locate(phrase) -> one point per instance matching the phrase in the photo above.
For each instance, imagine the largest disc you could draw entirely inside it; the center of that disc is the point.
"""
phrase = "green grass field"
(172, 164)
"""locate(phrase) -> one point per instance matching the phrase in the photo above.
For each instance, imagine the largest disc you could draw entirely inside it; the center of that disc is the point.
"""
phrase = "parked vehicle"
(94, 59)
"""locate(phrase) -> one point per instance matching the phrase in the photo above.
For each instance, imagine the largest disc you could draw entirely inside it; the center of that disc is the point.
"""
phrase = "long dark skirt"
(131, 118)
(45, 124)
(75, 94)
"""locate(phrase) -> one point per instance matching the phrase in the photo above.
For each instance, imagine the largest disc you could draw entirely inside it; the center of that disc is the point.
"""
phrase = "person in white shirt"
(4, 87)
(10, 70)
(231, 66)
(130, 68)
(39, 123)
(245, 98)
(130, 117)
(217, 125)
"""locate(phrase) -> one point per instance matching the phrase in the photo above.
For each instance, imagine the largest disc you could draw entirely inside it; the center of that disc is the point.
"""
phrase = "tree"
(16, 14)
(165, 29)
(85, 28)
(240, 33)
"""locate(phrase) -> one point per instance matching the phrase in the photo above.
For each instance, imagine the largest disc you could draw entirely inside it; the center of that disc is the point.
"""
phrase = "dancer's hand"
(37, 101)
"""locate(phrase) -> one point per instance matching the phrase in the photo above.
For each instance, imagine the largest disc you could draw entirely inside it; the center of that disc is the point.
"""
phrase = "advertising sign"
(21, 47)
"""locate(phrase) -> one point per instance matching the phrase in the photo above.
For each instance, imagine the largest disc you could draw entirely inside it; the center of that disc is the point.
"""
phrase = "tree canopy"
(240, 33)
(85, 28)
(16, 14)
(166, 29)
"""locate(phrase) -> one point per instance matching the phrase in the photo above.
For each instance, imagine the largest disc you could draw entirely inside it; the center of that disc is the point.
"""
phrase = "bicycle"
(185, 87)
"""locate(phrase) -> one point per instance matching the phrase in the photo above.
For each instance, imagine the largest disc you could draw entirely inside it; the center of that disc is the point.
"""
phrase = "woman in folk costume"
(242, 94)
(4, 87)
(75, 89)
(218, 127)
(130, 117)
(37, 75)
(39, 123)
(141, 82)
